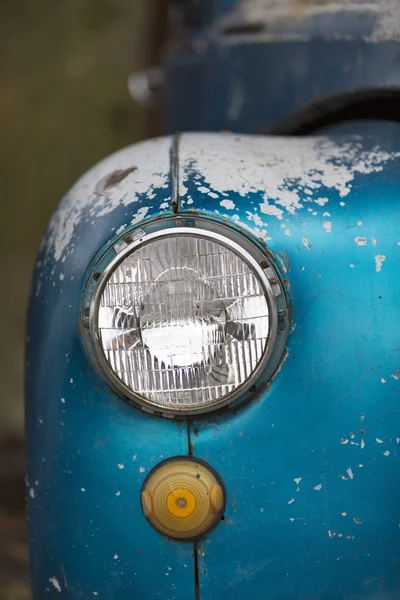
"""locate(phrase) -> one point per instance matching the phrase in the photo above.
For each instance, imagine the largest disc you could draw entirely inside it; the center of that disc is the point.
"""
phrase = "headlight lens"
(185, 320)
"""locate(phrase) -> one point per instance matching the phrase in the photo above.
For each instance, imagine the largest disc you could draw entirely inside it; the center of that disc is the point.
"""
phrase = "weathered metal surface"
(272, 65)
(374, 20)
(88, 452)
(253, 88)
(311, 468)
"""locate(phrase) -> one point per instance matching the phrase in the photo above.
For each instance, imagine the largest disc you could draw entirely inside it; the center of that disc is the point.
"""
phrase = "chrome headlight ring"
(184, 316)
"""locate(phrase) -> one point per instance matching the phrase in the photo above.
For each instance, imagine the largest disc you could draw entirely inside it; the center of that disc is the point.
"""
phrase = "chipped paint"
(379, 259)
(55, 583)
(327, 225)
(318, 487)
(350, 473)
(360, 241)
(285, 173)
(90, 199)
(228, 204)
(396, 375)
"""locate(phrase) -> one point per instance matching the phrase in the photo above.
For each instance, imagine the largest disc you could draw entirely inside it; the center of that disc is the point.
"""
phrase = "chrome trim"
(206, 228)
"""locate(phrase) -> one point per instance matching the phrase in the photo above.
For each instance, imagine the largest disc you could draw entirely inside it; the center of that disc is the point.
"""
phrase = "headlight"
(183, 320)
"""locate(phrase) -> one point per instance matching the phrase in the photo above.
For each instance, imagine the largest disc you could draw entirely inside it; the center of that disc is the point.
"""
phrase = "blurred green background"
(64, 105)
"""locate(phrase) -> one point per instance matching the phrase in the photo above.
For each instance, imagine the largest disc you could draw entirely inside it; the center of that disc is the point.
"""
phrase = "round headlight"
(183, 319)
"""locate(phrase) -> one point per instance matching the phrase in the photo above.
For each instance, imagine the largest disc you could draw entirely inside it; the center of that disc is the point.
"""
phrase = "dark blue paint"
(277, 81)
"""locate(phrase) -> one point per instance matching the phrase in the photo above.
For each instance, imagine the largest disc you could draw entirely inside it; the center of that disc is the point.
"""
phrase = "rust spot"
(196, 432)
(118, 176)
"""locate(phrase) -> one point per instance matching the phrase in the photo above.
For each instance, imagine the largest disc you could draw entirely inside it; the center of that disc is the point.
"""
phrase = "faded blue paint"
(336, 392)
(88, 452)
(281, 539)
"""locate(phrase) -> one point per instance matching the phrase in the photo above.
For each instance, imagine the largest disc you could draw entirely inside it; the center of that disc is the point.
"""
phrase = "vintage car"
(213, 355)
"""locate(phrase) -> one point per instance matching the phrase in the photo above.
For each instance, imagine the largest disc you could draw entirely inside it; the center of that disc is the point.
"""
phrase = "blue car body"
(310, 466)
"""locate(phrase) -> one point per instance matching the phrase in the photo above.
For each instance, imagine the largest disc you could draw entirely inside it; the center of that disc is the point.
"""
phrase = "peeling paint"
(282, 172)
(228, 204)
(327, 225)
(55, 583)
(87, 200)
(360, 241)
(379, 259)
(396, 375)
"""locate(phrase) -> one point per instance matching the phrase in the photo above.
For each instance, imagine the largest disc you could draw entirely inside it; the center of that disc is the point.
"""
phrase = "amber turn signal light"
(183, 498)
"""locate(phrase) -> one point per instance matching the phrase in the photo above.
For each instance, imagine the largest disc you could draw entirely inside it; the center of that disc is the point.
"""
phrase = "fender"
(310, 464)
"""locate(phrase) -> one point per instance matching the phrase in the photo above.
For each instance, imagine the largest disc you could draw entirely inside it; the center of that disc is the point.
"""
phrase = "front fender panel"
(88, 452)
(311, 467)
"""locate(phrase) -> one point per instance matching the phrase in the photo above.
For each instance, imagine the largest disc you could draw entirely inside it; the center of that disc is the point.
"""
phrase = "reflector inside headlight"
(183, 320)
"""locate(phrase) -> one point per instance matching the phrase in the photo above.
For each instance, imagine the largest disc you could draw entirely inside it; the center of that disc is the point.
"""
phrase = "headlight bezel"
(231, 236)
